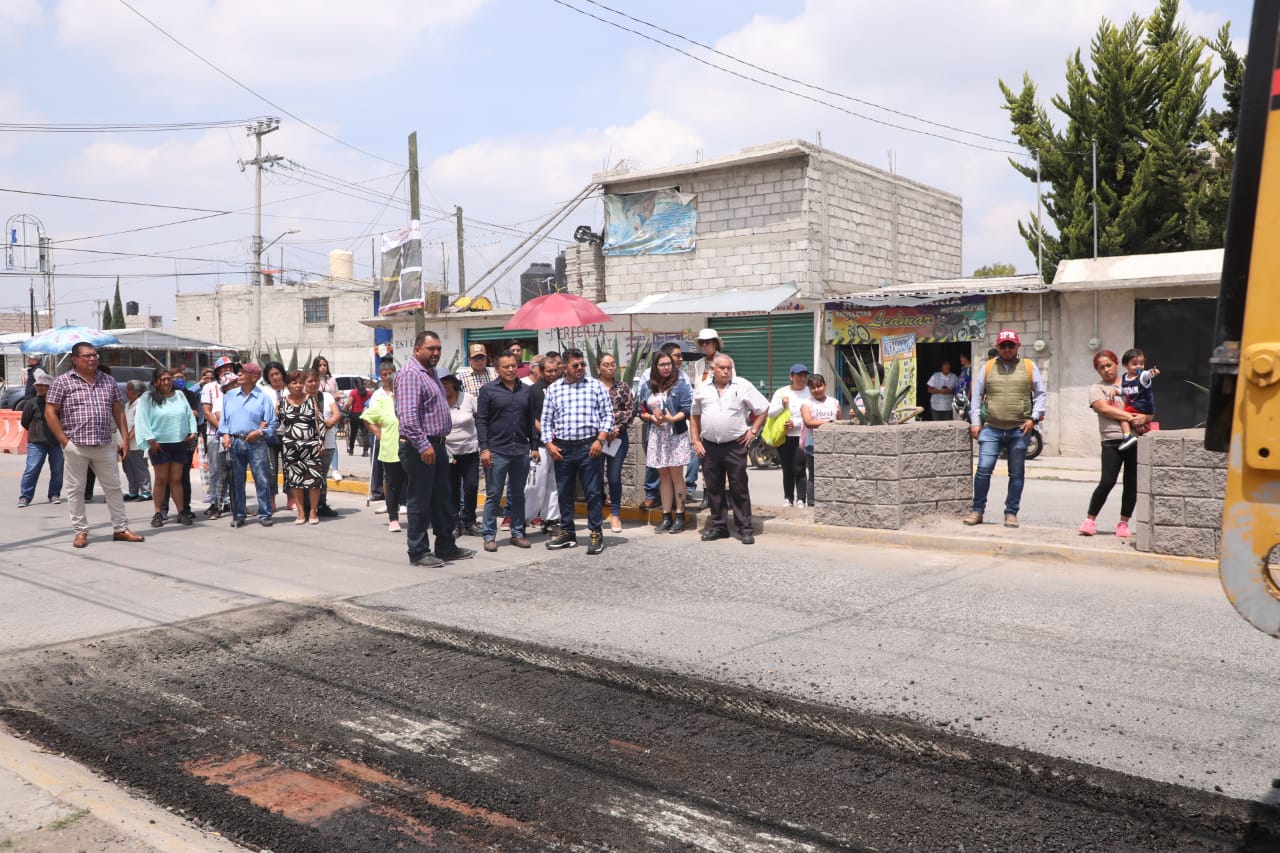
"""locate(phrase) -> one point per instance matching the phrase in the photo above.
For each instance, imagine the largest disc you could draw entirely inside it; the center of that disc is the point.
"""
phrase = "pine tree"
(117, 309)
(1163, 168)
(106, 316)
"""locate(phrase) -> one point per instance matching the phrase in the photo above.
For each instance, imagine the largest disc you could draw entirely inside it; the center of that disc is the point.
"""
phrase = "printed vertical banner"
(402, 270)
(901, 348)
(655, 222)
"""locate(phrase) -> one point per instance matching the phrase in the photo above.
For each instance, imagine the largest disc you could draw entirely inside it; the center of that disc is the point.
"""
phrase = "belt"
(573, 442)
(429, 438)
(239, 434)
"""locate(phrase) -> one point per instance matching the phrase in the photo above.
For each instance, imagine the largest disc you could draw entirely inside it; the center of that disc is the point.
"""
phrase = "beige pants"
(78, 459)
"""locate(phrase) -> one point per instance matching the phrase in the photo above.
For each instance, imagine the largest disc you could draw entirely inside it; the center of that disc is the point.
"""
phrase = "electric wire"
(117, 127)
(256, 94)
(784, 90)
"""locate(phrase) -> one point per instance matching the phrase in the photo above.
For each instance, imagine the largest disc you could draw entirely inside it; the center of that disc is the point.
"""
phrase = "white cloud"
(273, 46)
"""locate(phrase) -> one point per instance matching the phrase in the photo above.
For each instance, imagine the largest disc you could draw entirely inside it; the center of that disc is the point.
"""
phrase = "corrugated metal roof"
(758, 301)
(920, 293)
(156, 339)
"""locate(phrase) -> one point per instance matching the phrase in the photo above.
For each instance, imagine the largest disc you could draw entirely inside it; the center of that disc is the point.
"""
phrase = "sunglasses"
(1007, 345)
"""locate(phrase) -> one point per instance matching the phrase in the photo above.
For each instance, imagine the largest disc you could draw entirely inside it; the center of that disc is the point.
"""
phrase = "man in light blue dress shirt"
(248, 419)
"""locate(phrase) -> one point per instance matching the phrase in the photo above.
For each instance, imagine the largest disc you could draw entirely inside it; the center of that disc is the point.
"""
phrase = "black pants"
(392, 487)
(1113, 458)
(464, 483)
(429, 504)
(728, 460)
(794, 472)
(356, 430)
(375, 476)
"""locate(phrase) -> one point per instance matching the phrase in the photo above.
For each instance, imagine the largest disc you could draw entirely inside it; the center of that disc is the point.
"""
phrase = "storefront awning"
(925, 292)
(737, 300)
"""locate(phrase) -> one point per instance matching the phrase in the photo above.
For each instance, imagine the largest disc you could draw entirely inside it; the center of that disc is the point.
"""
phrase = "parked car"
(9, 399)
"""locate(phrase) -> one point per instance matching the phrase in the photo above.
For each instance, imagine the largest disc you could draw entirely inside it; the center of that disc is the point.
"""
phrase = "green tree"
(106, 316)
(117, 309)
(995, 270)
(1163, 170)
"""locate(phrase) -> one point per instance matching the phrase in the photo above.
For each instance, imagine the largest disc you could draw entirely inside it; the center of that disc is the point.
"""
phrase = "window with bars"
(315, 310)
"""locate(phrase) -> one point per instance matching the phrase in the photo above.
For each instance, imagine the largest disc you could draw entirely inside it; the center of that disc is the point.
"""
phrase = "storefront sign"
(958, 318)
(902, 349)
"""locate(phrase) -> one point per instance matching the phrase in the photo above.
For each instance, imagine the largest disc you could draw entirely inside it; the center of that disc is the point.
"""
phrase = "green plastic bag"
(775, 429)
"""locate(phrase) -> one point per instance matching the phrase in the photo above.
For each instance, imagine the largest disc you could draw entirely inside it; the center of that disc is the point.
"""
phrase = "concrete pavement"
(1000, 635)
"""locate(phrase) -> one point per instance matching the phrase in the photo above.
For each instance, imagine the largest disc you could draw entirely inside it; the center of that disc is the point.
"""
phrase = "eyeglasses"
(1007, 345)
(87, 355)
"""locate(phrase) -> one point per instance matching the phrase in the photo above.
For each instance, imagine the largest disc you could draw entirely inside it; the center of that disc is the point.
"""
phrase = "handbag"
(774, 433)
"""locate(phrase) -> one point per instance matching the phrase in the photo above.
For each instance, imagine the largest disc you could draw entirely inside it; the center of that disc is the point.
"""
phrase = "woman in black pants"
(1106, 399)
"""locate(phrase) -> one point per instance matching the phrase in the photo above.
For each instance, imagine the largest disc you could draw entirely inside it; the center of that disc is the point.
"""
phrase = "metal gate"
(764, 346)
(1176, 335)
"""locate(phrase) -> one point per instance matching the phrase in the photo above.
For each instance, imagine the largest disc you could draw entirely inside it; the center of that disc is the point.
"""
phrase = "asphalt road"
(1140, 673)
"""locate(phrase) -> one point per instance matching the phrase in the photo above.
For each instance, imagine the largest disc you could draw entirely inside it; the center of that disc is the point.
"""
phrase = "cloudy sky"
(515, 102)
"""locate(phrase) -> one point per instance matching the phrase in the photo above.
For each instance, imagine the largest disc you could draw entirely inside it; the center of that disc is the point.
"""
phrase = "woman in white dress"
(666, 410)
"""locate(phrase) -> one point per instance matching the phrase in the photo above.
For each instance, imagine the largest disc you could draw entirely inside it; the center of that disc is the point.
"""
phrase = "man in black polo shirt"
(508, 445)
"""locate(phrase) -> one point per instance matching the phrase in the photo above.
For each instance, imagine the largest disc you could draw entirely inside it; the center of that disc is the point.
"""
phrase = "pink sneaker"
(393, 527)
(1122, 530)
(1088, 528)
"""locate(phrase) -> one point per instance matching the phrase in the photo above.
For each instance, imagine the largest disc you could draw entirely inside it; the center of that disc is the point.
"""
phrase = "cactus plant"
(880, 401)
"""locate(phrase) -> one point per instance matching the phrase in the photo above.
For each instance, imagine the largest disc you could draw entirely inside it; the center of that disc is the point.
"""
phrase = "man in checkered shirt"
(577, 418)
(477, 373)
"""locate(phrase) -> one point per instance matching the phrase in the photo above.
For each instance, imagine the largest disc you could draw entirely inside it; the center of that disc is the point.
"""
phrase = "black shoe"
(710, 535)
(472, 529)
(748, 539)
(427, 560)
(562, 539)
(266, 522)
(157, 520)
(678, 524)
(457, 554)
(326, 511)
(237, 522)
(596, 543)
(212, 512)
(186, 517)
(665, 524)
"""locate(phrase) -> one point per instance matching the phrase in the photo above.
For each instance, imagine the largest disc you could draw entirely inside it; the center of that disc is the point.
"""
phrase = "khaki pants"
(79, 458)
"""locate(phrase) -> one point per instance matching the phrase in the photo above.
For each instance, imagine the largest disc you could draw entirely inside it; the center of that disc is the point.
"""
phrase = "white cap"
(708, 335)
(41, 378)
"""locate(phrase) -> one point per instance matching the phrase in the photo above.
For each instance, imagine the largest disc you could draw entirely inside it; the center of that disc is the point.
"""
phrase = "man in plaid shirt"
(477, 373)
(82, 410)
(577, 418)
(423, 412)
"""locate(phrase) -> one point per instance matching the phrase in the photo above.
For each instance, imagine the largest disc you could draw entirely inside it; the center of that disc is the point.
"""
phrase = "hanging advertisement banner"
(401, 270)
(901, 348)
(957, 318)
(656, 222)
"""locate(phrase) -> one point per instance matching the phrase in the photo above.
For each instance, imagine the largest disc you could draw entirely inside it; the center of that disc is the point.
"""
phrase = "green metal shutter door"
(765, 346)
(497, 333)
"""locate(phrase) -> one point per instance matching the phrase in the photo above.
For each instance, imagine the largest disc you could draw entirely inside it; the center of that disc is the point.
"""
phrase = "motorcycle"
(762, 455)
(1035, 441)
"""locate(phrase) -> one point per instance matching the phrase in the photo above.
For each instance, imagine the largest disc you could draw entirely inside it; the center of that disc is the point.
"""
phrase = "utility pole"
(258, 130)
(419, 316)
(462, 270)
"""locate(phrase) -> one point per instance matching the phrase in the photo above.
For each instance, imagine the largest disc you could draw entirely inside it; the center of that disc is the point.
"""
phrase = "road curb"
(1039, 550)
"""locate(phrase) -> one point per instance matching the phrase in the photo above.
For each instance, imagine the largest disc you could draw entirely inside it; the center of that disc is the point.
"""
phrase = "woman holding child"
(1107, 399)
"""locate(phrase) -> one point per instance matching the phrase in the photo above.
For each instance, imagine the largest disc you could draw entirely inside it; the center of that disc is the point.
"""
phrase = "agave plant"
(879, 401)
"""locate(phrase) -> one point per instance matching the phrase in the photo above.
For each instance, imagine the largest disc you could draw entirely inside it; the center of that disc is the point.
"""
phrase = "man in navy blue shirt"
(508, 445)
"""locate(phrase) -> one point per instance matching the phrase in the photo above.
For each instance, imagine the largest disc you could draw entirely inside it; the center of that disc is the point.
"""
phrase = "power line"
(783, 89)
(257, 95)
(116, 201)
(115, 127)
(781, 76)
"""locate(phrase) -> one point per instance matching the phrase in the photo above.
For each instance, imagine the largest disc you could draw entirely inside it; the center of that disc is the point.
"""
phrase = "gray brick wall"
(1180, 490)
(887, 476)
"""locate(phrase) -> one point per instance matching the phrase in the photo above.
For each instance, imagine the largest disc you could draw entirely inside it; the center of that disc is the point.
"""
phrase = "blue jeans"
(516, 470)
(613, 472)
(428, 501)
(577, 461)
(691, 473)
(990, 442)
(36, 454)
(251, 456)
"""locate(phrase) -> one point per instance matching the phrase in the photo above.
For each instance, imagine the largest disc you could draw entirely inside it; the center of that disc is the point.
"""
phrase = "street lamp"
(258, 250)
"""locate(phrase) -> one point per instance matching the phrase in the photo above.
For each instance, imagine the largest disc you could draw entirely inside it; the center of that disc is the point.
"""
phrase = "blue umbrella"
(62, 339)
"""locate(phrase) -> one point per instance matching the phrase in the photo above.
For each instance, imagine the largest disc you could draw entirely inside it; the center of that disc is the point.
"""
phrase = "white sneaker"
(336, 477)
(786, 502)
(380, 507)
(393, 527)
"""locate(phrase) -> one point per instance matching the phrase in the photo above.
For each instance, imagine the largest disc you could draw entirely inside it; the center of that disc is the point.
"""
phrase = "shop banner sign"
(901, 348)
(958, 318)
(401, 270)
(656, 222)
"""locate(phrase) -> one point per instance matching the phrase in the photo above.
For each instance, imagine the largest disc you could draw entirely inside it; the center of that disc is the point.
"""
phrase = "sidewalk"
(1055, 498)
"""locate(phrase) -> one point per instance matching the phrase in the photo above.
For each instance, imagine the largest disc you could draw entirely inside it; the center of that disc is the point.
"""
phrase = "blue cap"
(799, 368)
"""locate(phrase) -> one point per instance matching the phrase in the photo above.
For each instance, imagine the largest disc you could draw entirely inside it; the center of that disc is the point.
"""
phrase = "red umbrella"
(556, 311)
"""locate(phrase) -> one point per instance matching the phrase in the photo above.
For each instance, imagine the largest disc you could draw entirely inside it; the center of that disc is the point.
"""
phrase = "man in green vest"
(1014, 394)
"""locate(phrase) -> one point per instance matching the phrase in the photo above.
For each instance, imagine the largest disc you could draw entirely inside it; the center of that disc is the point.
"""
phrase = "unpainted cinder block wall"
(1180, 490)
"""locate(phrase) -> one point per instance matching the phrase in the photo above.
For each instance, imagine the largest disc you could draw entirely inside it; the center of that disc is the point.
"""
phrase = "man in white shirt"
(727, 415)
(225, 376)
(942, 390)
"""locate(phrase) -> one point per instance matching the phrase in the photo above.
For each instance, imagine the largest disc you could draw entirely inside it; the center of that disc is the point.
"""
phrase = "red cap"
(1007, 335)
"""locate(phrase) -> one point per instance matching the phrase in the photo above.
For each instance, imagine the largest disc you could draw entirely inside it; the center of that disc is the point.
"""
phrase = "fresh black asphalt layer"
(293, 728)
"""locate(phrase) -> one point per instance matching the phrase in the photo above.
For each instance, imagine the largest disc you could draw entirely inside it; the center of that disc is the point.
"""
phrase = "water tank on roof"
(341, 264)
(131, 309)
